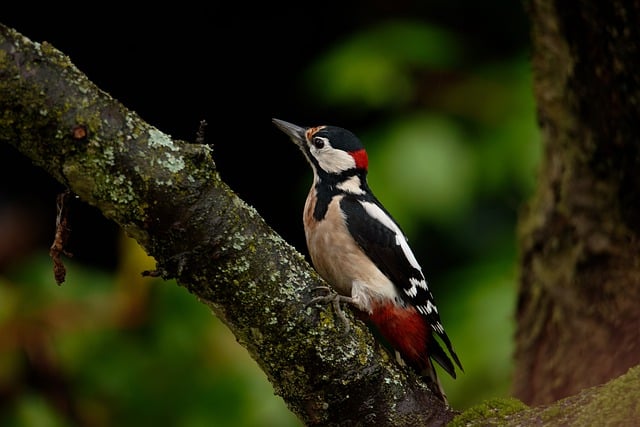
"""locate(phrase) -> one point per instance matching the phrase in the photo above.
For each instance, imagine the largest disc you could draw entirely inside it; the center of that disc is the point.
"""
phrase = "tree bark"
(578, 314)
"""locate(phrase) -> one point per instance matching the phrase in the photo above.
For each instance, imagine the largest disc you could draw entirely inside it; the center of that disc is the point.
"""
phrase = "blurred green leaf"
(420, 166)
(137, 351)
(374, 67)
(478, 314)
(33, 410)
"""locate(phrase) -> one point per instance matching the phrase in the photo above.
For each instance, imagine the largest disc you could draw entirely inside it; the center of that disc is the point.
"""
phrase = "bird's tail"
(431, 378)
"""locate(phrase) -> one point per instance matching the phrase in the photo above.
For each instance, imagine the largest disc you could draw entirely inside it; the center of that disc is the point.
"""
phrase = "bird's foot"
(335, 299)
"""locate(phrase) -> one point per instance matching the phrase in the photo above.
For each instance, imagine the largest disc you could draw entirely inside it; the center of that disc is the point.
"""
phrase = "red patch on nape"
(361, 158)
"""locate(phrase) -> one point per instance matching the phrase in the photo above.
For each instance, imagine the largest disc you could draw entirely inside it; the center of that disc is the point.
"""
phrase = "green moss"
(493, 412)
(552, 413)
(617, 403)
(50, 51)
(327, 319)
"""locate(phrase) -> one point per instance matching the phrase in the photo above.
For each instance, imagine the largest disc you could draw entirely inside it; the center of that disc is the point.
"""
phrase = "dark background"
(234, 67)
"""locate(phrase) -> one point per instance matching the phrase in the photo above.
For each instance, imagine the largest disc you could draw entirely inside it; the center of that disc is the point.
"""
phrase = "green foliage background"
(453, 149)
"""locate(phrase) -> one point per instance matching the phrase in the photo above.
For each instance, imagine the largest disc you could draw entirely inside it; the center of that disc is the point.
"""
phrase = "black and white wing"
(382, 240)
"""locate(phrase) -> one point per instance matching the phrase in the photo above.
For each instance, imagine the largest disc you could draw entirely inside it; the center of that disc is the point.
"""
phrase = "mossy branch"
(167, 195)
(613, 404)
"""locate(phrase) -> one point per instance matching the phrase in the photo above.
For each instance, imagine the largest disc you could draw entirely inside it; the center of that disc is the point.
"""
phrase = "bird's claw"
(335, 299)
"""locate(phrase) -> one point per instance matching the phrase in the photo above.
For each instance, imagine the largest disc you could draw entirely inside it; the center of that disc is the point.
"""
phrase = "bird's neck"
(353, 181)
(328, 186)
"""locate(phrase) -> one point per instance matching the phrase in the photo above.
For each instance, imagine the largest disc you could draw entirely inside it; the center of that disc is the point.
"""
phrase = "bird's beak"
(296, 133)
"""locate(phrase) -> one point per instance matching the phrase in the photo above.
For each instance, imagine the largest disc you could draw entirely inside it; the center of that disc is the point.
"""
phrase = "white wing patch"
(401, 240)
(375, 211)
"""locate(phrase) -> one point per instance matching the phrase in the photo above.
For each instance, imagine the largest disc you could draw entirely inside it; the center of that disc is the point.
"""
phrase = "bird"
(359, 249)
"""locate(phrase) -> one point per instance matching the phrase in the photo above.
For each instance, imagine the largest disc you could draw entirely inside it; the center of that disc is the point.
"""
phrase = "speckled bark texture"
(578, 312)
(168, 196)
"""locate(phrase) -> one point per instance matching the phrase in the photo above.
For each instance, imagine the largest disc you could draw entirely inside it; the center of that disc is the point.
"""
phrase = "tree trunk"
(578, 310)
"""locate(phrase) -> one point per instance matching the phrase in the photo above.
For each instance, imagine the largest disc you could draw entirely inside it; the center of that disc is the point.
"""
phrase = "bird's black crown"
(340, 138)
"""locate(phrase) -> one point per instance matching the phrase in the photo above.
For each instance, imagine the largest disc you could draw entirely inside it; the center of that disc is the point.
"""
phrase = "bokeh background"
(440, 93)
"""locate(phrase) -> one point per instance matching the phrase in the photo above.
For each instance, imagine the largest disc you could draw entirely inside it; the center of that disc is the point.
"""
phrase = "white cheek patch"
(332, 160)
(377, 213)
(351, 185)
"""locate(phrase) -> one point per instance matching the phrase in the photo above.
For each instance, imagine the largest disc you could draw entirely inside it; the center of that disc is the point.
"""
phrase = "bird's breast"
(337, 257)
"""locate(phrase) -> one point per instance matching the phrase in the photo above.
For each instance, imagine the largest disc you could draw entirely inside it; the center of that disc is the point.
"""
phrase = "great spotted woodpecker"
(362, 253)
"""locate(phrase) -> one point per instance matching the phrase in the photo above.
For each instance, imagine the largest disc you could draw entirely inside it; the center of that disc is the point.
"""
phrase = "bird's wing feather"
(380, 238)
(385, 244)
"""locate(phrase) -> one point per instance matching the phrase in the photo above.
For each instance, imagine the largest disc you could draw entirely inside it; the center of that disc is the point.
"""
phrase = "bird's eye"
(318, 142)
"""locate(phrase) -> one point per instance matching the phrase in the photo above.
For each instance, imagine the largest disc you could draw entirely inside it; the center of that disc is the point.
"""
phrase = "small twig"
(152, 273)
(200, 139)
(61, 237)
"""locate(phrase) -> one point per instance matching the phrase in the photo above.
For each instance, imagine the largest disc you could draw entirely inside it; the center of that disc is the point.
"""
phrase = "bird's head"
(329, 149)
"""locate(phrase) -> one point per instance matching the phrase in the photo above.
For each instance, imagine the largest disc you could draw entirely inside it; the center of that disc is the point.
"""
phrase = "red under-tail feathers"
(406, 331)
(409, 333)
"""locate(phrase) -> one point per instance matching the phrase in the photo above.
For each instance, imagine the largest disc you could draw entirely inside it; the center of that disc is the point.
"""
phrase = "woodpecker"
(361, 252)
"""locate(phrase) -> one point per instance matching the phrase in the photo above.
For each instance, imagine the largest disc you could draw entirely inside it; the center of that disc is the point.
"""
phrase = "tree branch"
(167, 195)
